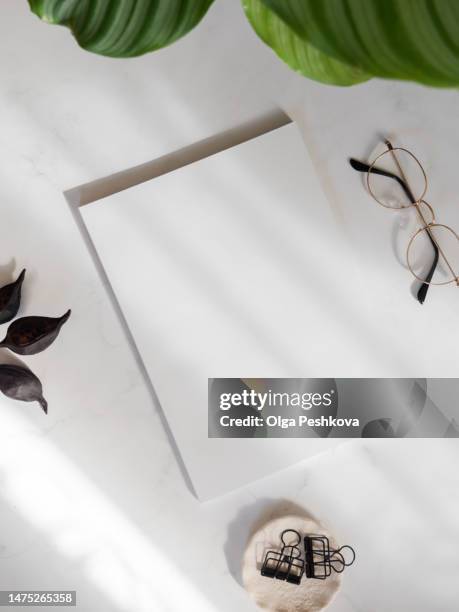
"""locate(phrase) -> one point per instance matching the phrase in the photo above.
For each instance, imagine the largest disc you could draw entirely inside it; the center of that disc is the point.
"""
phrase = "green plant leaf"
(415, 40)
(297, 52)
(123, 28)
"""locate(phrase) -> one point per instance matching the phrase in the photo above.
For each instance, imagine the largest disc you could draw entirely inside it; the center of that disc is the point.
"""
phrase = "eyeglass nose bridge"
(429, 208)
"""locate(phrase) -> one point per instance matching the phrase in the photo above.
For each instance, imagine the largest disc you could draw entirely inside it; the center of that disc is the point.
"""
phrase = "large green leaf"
(297, 52)
(404, 39)
(123, 28)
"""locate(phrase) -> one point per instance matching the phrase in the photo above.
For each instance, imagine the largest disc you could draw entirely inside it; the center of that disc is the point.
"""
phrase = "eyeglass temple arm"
(363, 167)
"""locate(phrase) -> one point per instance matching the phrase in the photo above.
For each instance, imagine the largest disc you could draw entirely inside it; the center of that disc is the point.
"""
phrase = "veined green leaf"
(297, 52)
(414, 40)
(123, 28)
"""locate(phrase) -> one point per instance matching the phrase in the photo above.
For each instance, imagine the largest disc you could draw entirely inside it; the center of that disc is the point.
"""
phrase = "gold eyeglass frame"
(417, 204)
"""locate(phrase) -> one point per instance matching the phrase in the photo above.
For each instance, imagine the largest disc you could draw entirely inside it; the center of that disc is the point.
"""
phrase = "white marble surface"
(92, 497)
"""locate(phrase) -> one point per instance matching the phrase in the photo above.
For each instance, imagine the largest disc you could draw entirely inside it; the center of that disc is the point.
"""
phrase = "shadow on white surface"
(85, 528)
(114, 183)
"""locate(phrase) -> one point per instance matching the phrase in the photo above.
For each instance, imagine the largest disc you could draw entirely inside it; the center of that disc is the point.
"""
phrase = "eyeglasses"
(406, 189)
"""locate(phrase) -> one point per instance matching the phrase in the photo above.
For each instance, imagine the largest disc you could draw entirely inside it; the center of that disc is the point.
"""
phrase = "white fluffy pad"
(277, 595)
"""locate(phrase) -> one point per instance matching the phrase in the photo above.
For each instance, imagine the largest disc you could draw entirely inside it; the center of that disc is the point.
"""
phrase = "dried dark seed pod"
(21, 384)
(10, 299)
(30, 335)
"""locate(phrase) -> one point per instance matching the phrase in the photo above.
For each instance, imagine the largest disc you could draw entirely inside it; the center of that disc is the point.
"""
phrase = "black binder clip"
(320, 559)
(286, 564)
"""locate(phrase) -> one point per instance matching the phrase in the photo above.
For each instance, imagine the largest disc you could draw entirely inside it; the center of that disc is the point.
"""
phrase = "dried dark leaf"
(10, 299)
(31, 335)
(21, 384)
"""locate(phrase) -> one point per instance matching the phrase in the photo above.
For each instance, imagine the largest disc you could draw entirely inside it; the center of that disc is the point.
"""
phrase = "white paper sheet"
(227, 268)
